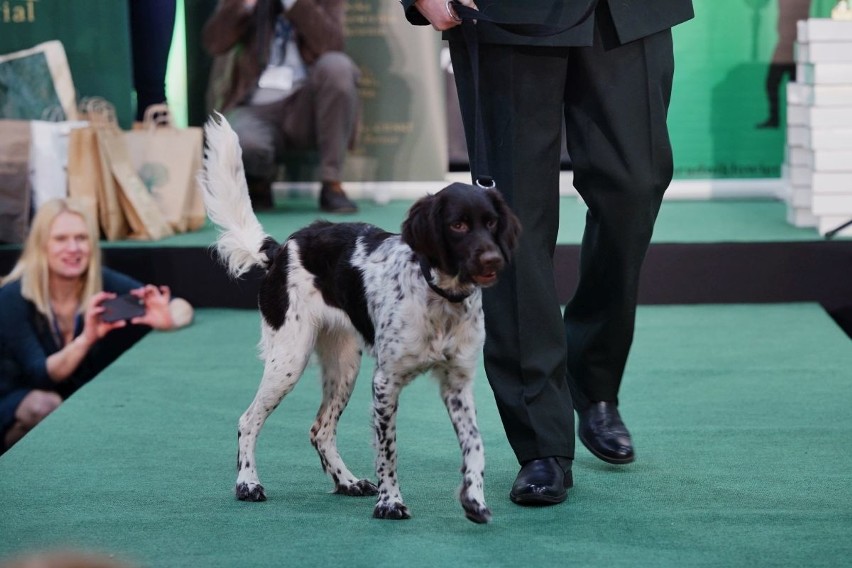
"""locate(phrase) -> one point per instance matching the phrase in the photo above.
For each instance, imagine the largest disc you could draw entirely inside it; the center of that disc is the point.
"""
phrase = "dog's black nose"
(491, 261)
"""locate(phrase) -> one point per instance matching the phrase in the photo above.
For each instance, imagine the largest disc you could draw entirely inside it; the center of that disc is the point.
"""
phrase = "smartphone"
(125, 307)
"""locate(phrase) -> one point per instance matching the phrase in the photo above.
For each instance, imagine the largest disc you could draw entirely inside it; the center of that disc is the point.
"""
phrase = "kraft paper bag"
(167, 160)
(86, 182)
(143, 215)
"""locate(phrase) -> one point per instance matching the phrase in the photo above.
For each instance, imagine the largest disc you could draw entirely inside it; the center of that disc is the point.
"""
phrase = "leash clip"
(485, 182)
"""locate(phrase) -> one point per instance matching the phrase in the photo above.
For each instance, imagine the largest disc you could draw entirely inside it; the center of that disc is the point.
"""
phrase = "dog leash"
(469, 17)
(479, 164)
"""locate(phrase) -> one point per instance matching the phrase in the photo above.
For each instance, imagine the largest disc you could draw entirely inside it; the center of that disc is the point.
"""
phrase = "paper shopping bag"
(49, 159)
(87, 181)
(167, 160)
(14, 180)
(144, 217)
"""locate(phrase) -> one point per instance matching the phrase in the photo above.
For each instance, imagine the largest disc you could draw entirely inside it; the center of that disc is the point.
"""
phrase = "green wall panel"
(96, 38)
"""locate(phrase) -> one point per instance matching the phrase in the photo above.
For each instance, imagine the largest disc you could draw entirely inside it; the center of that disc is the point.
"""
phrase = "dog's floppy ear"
(422, 230)
(508, 225)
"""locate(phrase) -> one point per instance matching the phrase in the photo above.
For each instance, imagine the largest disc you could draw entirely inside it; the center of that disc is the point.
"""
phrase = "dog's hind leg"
(386, 390)
(457, 393)
(286, 353)
(340, 358)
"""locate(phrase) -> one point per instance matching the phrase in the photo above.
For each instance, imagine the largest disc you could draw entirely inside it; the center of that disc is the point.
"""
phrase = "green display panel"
(721, 98)
(96, 37)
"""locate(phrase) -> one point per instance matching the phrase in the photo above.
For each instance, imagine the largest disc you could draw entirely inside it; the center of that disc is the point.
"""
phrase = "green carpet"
(740, 416)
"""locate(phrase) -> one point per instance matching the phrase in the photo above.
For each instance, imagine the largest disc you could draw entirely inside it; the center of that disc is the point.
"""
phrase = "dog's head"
(463, 231)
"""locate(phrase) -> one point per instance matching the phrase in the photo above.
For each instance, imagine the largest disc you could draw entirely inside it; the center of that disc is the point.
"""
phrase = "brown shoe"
(333, 199)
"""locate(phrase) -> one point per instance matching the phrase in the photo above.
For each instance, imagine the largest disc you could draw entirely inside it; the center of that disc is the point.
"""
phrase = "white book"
(819, 95)
(798, 136)
(832, 161)
(799, 197)
(800, 175)
(826, 223)
(830, 138)
(819, 117)
(799, 156)
(832, 204)
(824, 73)
(801, 217)
(823, 29)
(831, 183)
(823, 52)
(821, 161)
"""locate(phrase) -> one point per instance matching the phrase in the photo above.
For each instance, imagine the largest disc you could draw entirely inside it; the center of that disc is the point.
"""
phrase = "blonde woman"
(53, 339)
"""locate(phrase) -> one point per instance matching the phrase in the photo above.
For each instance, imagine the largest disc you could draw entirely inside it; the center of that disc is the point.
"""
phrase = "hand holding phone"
(124, 307)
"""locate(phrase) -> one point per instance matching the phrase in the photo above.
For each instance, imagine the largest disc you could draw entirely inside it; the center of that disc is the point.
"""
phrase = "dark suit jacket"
(633, 19)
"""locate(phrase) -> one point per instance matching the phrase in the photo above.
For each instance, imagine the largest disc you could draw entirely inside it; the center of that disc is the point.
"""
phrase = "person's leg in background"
(21, 410)
(322, 115)
(616, 102)
(261, 141)
(152, 24)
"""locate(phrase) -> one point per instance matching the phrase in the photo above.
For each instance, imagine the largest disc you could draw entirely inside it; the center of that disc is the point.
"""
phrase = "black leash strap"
(479, 164)
(469, 17)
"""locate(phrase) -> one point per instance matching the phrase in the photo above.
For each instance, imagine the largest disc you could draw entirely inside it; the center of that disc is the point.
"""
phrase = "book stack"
(819, 127)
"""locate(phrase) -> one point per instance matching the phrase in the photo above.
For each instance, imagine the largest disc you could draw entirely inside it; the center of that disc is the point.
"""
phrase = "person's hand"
(156, 300)
(94, 328)
(440, 13)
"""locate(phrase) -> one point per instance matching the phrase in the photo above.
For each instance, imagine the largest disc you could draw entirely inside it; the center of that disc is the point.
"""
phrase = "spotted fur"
(339, 288)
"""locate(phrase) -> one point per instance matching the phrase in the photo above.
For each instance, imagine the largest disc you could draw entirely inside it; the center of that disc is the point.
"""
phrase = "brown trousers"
(320, 116)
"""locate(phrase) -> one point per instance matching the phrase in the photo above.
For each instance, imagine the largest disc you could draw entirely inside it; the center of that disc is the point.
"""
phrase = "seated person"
(284, 83)
(52, 337)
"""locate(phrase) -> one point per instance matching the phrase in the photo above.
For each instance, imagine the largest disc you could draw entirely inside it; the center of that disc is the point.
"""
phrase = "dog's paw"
(250, 492)
(392, 511)
(361, 488)
(476, 512)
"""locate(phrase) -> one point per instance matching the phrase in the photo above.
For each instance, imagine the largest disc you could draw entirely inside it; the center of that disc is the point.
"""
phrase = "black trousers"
(614, 99)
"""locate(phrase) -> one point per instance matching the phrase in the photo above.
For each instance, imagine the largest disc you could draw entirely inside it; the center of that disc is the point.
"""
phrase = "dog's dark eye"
(459, 226)
(491, 224)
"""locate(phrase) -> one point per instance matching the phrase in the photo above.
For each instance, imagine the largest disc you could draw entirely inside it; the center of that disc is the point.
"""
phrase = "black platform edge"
(705, 273)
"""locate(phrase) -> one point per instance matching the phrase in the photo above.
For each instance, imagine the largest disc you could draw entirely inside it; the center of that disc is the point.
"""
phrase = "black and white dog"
(412, 300)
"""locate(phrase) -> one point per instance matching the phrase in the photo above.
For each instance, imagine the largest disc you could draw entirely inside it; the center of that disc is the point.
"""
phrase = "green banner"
(724, 92)
(95, 35)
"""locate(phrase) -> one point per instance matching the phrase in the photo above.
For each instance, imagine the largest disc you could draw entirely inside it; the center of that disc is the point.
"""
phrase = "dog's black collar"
(426, 270)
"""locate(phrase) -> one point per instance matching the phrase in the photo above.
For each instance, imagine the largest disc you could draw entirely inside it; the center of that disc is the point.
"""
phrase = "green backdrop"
(722, 58)
(96, 37)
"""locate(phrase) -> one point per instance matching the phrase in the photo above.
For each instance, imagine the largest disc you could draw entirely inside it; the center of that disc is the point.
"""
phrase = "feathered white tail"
(223, 185)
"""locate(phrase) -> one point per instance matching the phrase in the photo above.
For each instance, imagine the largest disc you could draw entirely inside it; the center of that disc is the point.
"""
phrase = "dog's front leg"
(457, 393)
(386, 389)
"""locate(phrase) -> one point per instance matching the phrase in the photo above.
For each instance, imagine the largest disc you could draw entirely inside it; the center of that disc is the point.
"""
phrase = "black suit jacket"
(633, 19)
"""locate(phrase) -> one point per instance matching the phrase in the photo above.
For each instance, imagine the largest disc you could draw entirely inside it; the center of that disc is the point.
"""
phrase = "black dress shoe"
(604, 434)
(541, 482)
(333, 199)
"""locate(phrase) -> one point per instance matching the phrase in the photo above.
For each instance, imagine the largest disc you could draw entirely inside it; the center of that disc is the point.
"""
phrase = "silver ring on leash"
(451, 12)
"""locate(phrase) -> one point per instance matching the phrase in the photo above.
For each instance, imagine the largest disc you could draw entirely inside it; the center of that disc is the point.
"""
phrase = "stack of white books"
(819, 127)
